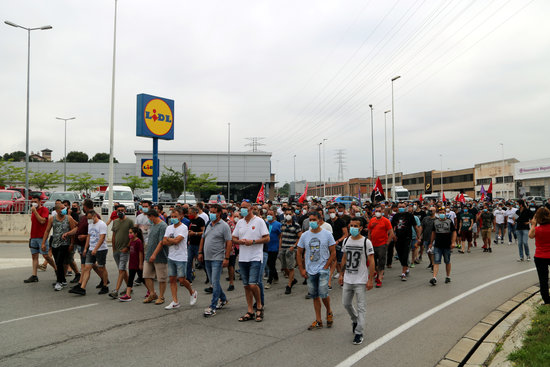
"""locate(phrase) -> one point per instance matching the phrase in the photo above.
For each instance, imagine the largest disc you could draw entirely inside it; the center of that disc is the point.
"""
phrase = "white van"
(122, 195)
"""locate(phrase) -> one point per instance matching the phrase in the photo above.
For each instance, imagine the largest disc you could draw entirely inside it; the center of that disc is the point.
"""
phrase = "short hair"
(91, 212)
(357, 219)
(178, 210)
(315, 214)
(160, 207)
(194, 209)
(542, 216)
(148, 202)
(218, 207)
(67, 202)
(200, 205)
(152, 213)
(35, 197)
(88, 204)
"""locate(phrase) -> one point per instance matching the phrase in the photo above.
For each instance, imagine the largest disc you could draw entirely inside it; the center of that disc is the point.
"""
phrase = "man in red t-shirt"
(39, 222)
(380, 234)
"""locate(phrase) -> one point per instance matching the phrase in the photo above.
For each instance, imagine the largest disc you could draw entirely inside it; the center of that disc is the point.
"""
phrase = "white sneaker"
(193, 298)
(336, 275)
(528, 258)
(172, 306)
(58, 286)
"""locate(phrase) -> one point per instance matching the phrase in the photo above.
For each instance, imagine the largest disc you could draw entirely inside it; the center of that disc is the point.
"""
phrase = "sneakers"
(267, 285)
(288, 290)
(403, 277)
(308, 296)
(193, 298)
(58, 287)
(125, 298)
(433, 281)
(447, 280)
(104, 290)
(490, 250)
(358, 339)
(208, 312)
(77, 289)
(113, 294)
(208, 290)
(315, 325)
(231, 288)
(42, 267)
(528, 258)
(520, 259)
(221, 304)
(100, 285)
(76, 279)
(336, 275)
(31, 279)
(172, 306)
(294, 281)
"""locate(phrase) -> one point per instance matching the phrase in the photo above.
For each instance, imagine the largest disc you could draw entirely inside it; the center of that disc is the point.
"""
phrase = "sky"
(474, 75)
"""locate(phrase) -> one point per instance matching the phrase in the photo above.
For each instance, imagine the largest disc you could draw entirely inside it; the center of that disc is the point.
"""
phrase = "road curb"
(480, 344)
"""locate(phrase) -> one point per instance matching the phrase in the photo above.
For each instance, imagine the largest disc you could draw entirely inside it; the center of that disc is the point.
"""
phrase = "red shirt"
(378, 229)
(37, 229)
(542, 241)
(136, 247)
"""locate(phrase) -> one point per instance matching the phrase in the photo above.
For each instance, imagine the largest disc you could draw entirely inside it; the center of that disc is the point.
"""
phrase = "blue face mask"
(297, 211)
(244, 212)
(174, 220)
(442, 216)
(145, 210)
(64, 211)
(354, 231)
(465, 210)
(484, 210)
(150, 222)
(212, 216)
(269, 218)
(313, 225)
(401, 210)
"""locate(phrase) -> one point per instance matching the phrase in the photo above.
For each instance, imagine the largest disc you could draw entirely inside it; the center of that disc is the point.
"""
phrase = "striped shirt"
(290, 234)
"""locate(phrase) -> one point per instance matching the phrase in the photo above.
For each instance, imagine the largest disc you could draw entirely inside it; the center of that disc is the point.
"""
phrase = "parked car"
(188, 198)
(61, 195)
(44, 195)
(122, 195)
(214, 199)
(97, 198)
(539, 200)
(346, 200)
(21, 190)
(146, 196)
(11, 201)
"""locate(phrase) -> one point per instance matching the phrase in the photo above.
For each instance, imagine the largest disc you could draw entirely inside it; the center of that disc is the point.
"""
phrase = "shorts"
(474, 228)
(380, 256)
(427, 246)
(339, 255)
(155, 269)
(35, 244)
(121, 259)
(287, 259)
(413, 243)
(250, 272)
(70, 257)
(445, 252)
(317, 284)
(100, 257)
(177, 268)
(466, 235)
(486, 233)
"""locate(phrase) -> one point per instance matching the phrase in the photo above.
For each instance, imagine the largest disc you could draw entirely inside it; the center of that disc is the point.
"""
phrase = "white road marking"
(356, 357)
(15, 263)
(48, 313)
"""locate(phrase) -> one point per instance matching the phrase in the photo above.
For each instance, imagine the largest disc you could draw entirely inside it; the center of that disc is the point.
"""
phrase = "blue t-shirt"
(274, 233)
(414, 229)
(186, 222)
(316, 246)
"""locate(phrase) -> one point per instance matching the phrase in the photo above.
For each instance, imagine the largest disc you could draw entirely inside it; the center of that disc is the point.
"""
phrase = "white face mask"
(415, 207)
(378, 214)
(332, 215)
(90, 222)
(34, 205)
(288, 218)
(358, 214)
(340, 213)
(304, 212)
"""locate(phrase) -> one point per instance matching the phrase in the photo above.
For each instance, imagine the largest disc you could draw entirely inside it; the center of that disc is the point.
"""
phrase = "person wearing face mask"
(290, 234)
(121, 228)
(39, 223)
(340, 233)
(402, 223)
(380, 234)
(95, 251)
(317, 247)
(465, 224)
(342, 214)
(135, 264)
(357, 277)
(426, 229)
(60, 223)
(231, 215)
(443, 240)
(511, 223)
(487, 220)
(500, 220)
(303, 218)
(80, 240)
(524, 216)
(275, 237)
(155, 264)
(114, 214)
(196, 230)
(142, 221)
(175, 238)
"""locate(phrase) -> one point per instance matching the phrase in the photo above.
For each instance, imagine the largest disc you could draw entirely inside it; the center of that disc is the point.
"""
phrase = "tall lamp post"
(441, 174)
(372, 141)
(386, 152)
(65, 155)
(43, 28)
(294, 159)
(228, 162)
(318, 186)
(503, 185)
(324, 170)
(393, 138)
(112, 131)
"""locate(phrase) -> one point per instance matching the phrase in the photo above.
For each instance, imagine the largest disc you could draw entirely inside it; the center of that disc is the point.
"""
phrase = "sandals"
(260, 316)
(247, 317)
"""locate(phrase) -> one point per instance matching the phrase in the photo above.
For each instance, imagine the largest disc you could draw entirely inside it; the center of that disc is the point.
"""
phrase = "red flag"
(444, 198)
(482, 196)
(461, 199)
(377, 193)
(261, 195)
(421, 199)
(457, 198)
(303, 197)
(490, 192)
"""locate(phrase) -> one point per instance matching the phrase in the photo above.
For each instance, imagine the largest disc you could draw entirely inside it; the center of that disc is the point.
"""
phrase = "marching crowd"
(351, 244)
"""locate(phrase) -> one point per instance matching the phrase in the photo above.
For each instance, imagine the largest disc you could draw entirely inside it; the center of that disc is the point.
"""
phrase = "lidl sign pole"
(155, 119)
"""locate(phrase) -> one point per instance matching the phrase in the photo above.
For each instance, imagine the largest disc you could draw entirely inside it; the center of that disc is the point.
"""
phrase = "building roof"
(203, 153)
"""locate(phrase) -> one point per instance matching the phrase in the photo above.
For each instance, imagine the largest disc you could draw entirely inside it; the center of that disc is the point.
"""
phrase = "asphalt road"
(95, 330)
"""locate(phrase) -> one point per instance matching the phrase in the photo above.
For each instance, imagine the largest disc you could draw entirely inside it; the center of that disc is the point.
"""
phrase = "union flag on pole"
(483, 193)
(462, 199)
(444, 198)
(303, 196)
(490, 192)
(421, 199)
(377, 193)
(261, 195)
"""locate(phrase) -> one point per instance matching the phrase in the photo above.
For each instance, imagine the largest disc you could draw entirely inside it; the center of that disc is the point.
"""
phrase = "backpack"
(364, 247)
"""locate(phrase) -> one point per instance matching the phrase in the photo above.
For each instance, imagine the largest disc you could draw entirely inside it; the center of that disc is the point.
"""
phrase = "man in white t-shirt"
(142, 221)
(500, 220)
(250, 234)
(175, 238)
(511, 215)
(357, 277)
(95, 251)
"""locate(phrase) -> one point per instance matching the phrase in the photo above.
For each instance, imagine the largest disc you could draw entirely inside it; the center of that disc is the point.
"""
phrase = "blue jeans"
(192, 253)
(523, 242)
(261, 283)
(250, 272)
(511, 231)
(214, 271)
(176, 268)
(317, 284)
(442, 252)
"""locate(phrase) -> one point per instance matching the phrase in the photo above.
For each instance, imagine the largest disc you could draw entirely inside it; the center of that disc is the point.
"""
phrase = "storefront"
(533, 178)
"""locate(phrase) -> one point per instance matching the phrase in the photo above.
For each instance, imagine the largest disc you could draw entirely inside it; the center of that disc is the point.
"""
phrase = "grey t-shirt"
(427, 228)
(215, 238)
(156, 234)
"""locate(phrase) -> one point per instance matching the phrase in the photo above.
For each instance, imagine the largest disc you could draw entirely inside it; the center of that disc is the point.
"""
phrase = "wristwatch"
(253, 242)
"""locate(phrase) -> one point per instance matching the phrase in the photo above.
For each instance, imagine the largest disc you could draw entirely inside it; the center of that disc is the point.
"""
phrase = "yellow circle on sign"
(147, 167)
(158, 117)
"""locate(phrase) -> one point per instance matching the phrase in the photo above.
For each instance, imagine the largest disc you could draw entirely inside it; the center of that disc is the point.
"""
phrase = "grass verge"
(535, 351)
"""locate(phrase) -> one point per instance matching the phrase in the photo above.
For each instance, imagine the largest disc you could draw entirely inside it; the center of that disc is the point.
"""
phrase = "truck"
(401, 193)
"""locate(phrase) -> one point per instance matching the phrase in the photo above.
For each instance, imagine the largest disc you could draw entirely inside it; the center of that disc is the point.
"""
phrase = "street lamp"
(294, 158)
(372, 141)
(393, 138)
(386, 152)
(65, 155)
(112, 130)
(324, 170)
(503, 185)
(441, 174)
(43, 28)
(321, 143)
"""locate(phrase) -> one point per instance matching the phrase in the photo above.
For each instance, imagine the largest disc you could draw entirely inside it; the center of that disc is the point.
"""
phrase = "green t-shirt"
(120, 229)
(467, 220)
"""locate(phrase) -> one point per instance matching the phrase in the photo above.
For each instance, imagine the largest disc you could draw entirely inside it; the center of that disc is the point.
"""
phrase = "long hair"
(137, 231)
(542, 216)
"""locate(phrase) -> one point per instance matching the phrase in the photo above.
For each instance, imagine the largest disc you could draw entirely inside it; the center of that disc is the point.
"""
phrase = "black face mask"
(224, 216)
(74, 209)
(120, 215)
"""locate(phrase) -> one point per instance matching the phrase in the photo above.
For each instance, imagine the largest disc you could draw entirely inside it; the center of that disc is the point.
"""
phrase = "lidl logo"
(158, 117)
(147, 167)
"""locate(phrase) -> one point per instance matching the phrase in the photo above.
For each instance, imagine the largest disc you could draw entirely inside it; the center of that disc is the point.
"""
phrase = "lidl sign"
(147, 167)
(155, 117)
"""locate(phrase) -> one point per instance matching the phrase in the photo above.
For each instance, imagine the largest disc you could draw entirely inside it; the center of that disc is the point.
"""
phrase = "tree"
(102, 158)
(84, 182)
(17, 156)
(284, 191)
(44, 180)
(135, 182)
(202, 184)
(10, 175)
(77, 157)
(171, 182)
